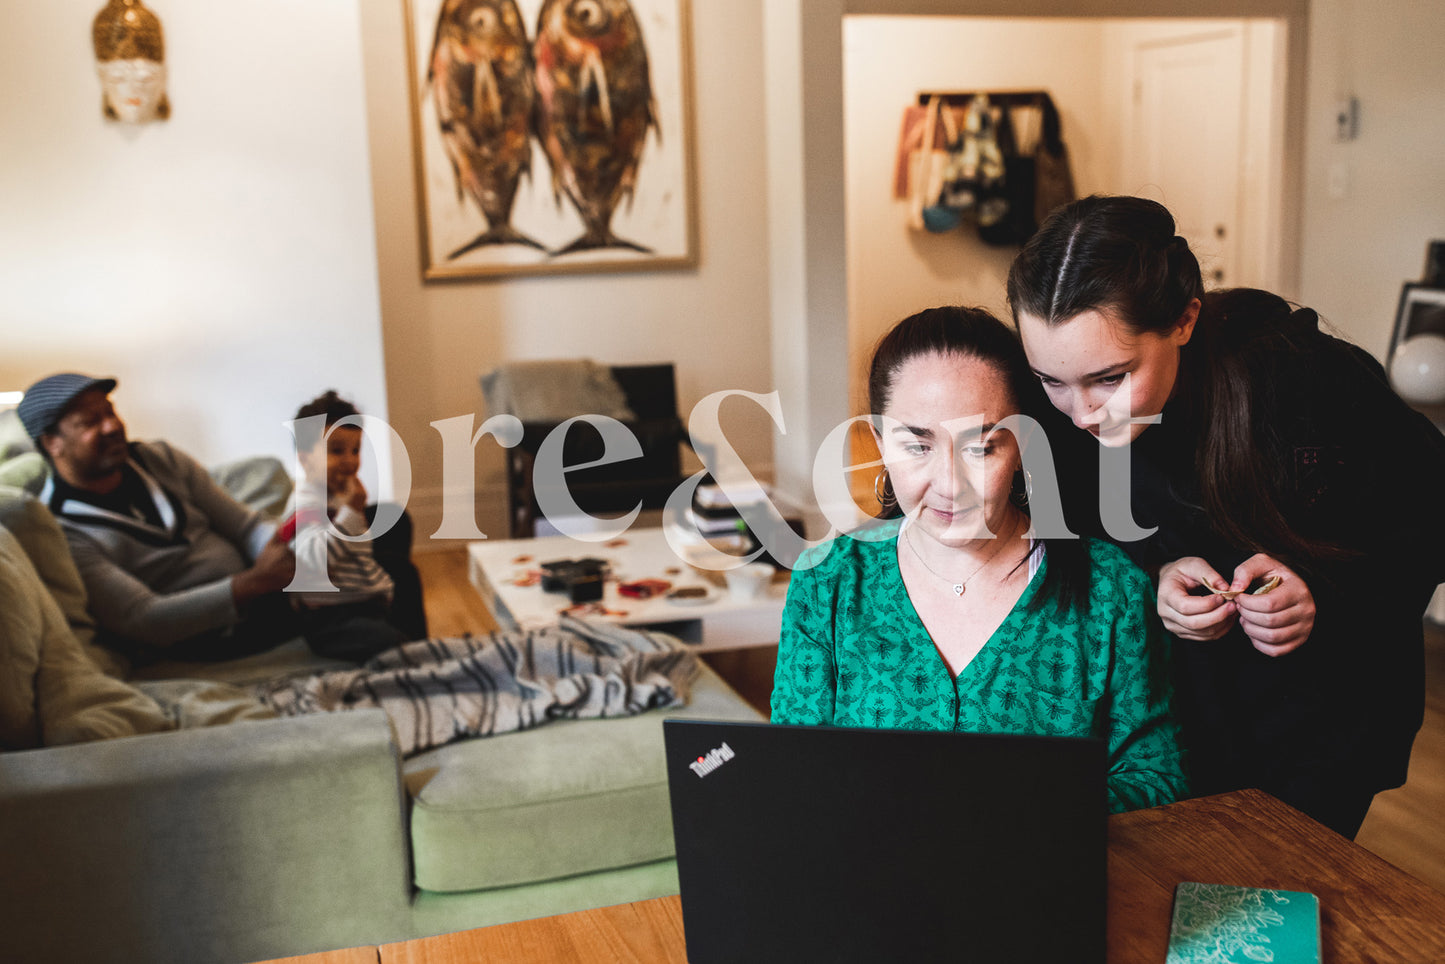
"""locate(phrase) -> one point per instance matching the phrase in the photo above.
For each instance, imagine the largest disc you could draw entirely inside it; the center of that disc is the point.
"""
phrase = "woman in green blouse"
(947, 616)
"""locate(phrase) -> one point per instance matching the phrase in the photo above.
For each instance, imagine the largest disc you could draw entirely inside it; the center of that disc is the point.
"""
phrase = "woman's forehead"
(1093, 324)
(1087, 341)
(934, 388)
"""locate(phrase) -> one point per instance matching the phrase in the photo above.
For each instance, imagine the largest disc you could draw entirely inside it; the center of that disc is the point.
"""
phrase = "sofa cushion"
(40, 535)
(50, 691)
(27, 471)
(259, 482)
(13, 438)
(570, 797)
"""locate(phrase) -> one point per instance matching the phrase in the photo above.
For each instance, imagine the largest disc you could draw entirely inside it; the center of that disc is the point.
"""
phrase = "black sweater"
(1354, 467)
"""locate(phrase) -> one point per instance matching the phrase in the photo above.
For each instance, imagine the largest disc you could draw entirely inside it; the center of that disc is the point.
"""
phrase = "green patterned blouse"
(853, 652)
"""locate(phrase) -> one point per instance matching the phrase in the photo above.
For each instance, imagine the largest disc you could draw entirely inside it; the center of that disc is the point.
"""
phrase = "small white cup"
(748, 581)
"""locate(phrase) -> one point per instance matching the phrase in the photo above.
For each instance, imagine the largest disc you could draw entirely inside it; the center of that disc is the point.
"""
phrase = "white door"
(1186, 140)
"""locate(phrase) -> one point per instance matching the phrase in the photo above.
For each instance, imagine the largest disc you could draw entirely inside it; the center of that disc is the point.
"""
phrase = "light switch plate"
(1347, 118)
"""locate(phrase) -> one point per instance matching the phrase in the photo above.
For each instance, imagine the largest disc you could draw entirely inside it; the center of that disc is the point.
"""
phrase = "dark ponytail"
(1228, 387)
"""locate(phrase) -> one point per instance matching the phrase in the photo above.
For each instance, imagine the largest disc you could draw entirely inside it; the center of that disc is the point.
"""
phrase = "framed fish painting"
(552, 135)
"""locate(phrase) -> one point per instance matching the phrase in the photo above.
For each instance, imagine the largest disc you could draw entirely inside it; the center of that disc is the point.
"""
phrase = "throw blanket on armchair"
(439, 690)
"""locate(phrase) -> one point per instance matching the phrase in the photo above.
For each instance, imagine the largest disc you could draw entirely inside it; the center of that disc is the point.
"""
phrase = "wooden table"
(1369, 910)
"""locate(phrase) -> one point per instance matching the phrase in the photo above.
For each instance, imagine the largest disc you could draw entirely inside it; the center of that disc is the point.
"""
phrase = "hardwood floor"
(1405, 826)
(452, 605)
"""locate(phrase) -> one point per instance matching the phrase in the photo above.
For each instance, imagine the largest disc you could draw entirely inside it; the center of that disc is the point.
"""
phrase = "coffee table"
(505, 571)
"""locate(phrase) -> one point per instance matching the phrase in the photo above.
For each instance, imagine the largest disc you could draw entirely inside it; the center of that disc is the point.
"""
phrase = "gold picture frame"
(583, 164)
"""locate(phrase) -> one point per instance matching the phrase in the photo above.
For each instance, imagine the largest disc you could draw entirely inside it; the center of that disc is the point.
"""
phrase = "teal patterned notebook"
(1220, 924)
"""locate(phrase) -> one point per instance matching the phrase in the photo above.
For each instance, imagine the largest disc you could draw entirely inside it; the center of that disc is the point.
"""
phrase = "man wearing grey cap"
(172, 564)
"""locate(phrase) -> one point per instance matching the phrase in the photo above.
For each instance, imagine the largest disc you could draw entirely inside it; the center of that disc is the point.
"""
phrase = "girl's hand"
(1280, 620)
(1189, 616)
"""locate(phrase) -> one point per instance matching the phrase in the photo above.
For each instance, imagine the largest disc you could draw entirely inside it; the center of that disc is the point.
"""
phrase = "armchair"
(651, 414)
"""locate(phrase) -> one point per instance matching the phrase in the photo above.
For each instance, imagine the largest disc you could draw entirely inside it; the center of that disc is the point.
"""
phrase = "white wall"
(894, 270)
(712, 321)
(220, 263)
(1362, 240)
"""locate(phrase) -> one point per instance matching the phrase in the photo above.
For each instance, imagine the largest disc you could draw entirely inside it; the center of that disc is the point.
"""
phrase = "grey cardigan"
(160, 585)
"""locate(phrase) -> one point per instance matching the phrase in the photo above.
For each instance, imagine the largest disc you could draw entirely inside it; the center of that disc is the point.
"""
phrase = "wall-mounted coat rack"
(1050, 129)
(1019, 129)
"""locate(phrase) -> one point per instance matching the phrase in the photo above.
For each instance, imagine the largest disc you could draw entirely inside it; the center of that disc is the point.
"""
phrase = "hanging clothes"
(974, 179)
(1003, 173)
(1054, 179)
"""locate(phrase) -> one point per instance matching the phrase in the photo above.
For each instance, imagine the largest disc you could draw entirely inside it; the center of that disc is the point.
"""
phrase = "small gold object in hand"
(1263, 588)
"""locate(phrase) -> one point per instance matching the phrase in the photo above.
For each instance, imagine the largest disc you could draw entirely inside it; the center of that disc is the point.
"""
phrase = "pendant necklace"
(960, 586)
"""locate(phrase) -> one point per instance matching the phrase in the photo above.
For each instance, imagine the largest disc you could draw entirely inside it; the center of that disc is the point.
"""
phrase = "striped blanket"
(439, 690)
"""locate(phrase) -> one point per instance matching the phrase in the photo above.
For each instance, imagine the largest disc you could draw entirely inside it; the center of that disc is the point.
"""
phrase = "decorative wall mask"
(130, 55)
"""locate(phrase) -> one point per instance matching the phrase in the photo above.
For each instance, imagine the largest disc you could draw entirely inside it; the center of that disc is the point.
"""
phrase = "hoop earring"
(884, 492)
(1023, 488)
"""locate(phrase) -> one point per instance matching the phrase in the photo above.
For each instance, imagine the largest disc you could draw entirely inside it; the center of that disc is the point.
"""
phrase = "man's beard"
(112, 454)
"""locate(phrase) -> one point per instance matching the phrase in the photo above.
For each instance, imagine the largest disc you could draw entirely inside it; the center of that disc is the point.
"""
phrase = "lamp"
(1417, 369)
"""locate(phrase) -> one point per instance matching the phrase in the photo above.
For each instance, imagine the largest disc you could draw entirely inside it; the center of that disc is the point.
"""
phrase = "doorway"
(813, 178)
(1188, 112)
(1185, 139)
(1204, 132)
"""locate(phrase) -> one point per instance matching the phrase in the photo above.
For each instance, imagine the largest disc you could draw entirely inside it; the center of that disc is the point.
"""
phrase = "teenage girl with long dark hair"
(1262, 452)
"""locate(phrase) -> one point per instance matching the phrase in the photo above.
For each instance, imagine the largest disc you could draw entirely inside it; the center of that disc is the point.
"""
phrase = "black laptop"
(834, 845)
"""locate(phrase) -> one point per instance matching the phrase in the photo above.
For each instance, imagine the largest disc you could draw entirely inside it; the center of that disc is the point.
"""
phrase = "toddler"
(357, 620)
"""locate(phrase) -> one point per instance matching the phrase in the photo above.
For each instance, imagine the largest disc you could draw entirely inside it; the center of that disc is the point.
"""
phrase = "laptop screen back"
(823, 844)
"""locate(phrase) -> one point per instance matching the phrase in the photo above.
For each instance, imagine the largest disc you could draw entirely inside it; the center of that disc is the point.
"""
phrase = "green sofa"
(132, 828)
